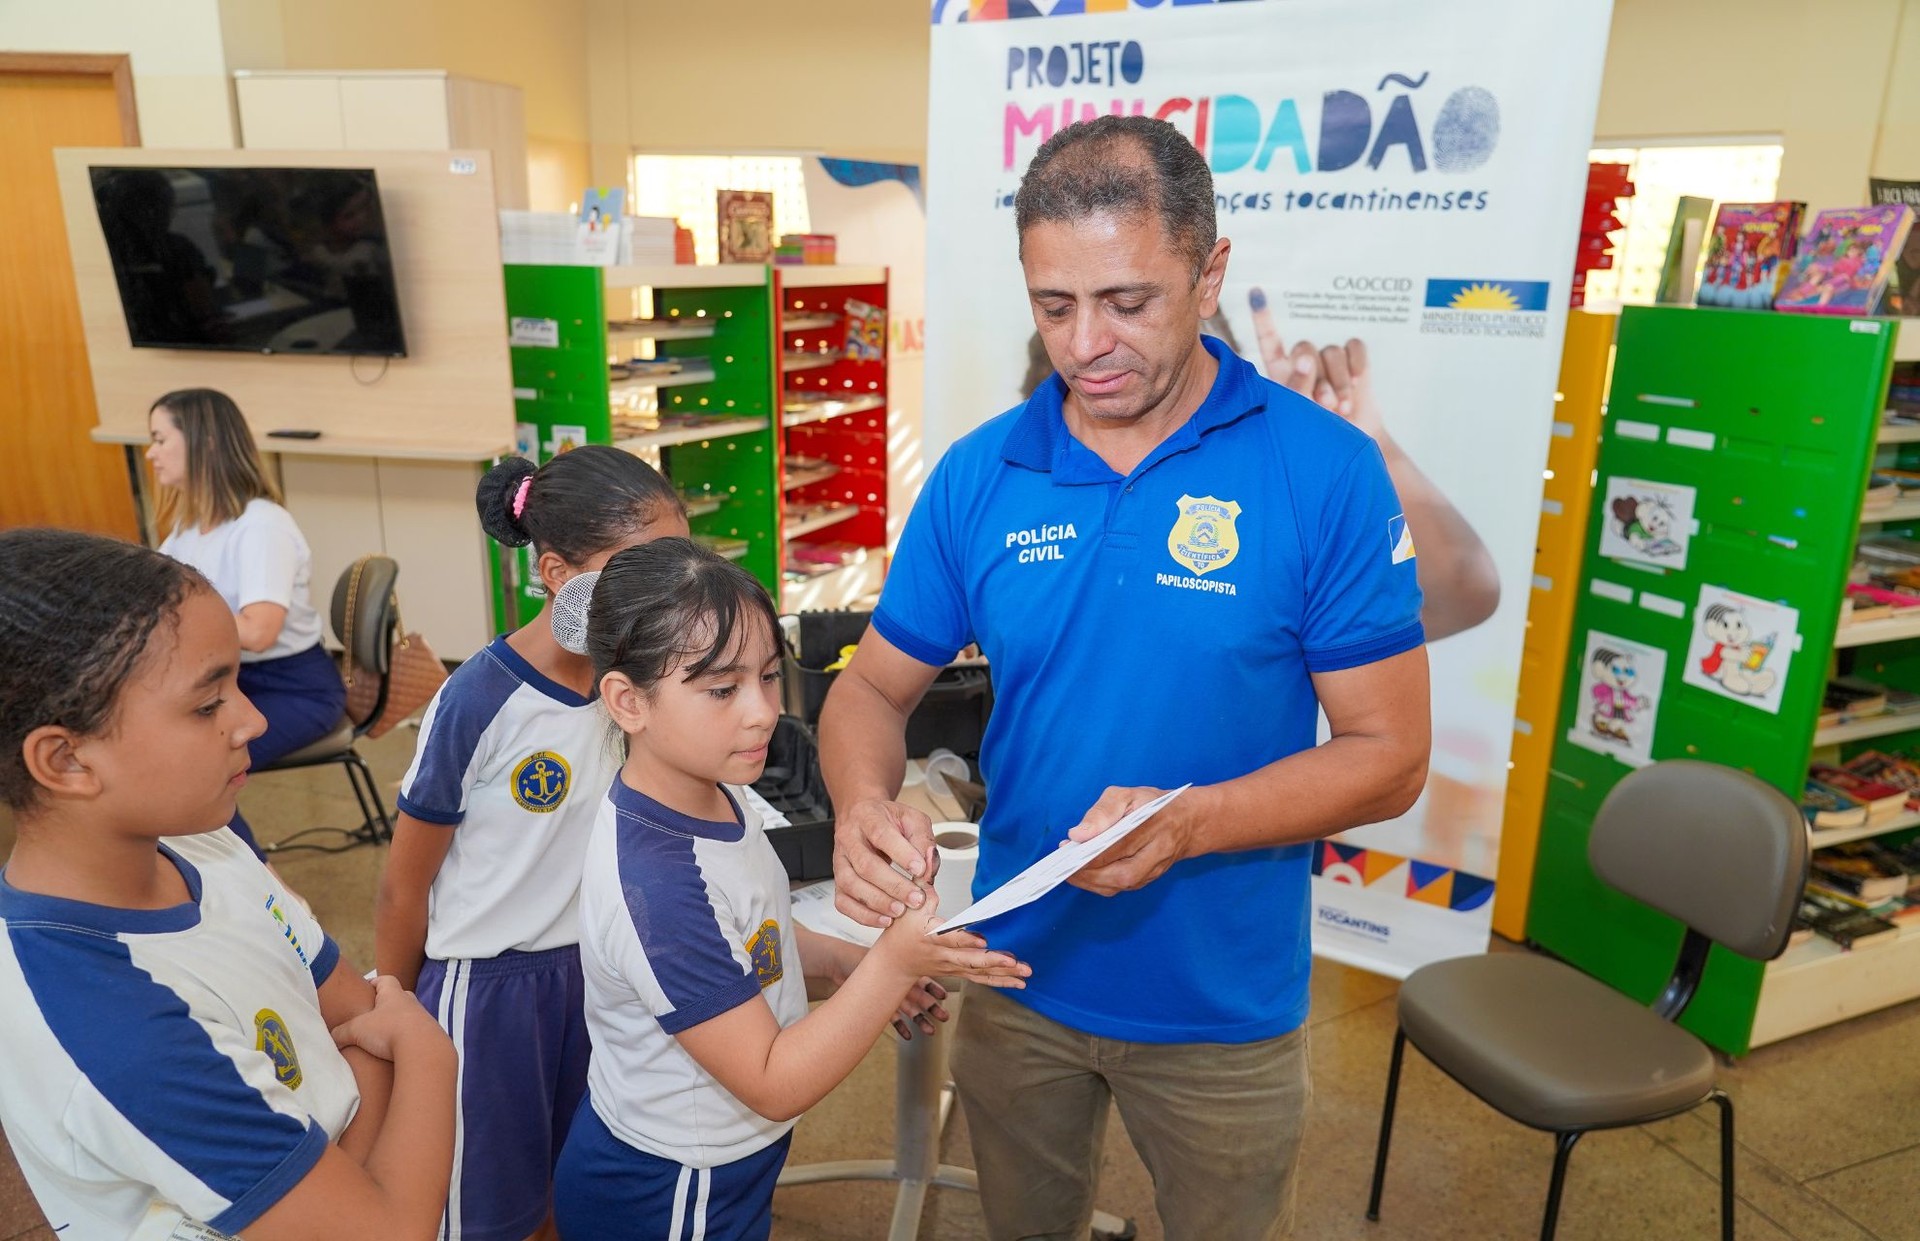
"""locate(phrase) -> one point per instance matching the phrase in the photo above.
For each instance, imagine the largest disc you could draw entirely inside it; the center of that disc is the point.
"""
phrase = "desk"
(922, 1091)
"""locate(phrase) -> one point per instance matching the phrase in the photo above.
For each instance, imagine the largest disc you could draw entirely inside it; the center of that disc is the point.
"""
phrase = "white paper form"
(1054, 869)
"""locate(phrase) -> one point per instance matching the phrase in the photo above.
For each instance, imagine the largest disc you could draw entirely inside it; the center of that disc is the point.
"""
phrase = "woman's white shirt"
(259, 557)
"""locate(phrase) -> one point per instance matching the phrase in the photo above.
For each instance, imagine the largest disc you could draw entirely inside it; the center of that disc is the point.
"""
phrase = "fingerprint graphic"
(1467, 131)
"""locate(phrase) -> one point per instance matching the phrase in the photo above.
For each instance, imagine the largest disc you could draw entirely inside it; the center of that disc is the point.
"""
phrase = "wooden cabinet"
(428, 110)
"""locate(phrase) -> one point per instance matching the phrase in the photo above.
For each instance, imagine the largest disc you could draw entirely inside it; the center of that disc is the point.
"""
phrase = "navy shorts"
(519, 1023)
(605, 1190)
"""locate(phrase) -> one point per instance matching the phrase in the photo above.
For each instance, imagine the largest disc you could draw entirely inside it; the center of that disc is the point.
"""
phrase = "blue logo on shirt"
(541, 781)
(273, 1040)
(764, 948)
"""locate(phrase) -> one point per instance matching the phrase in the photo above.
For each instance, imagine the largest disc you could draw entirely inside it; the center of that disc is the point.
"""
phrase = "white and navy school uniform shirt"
(681, 920)
(515, 763)
(164, 1071)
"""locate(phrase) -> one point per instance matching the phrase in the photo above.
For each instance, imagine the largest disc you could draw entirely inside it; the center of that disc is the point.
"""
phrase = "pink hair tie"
(520, 497)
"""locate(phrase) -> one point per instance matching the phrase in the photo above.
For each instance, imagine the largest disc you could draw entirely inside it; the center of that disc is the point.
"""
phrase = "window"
(1731, 172)
(686, 186)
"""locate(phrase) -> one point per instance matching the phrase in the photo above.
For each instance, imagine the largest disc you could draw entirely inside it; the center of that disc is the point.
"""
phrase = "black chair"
(371, 627)
(1557, 1050)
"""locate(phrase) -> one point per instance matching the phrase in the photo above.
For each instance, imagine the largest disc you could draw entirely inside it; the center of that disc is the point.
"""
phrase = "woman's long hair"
(224, 473)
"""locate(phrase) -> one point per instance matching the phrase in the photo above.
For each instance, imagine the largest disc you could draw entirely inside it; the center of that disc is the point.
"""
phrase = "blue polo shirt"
(1156, 628)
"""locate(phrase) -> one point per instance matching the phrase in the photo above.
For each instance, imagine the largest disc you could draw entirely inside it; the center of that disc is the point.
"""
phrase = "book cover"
(1903, 292)
(1880, 798)
(1827, 807)
(1888, 769)
(746, 226)
(1844, 923)
(1684, 244)
(1861, 869)
(1749, 250)
(1846, 261)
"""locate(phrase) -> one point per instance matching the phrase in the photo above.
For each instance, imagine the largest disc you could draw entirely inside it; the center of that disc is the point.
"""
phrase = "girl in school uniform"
(222, 515)
(477, 903)
(183, 1051)
(704, 1053)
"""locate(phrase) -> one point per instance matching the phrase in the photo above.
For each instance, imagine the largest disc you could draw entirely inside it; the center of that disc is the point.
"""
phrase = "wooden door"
(54, 474)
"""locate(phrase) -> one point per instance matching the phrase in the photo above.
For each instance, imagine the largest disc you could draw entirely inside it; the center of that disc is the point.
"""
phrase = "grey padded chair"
(373, 623)
(1557, 1050)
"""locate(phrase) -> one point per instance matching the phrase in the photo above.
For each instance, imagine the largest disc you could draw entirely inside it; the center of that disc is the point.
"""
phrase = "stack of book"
(1870, 788)
(1855, 698)
(1885, 578)
(1862, 894)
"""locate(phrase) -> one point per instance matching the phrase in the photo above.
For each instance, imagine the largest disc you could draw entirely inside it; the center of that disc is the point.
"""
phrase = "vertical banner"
(1402, 183)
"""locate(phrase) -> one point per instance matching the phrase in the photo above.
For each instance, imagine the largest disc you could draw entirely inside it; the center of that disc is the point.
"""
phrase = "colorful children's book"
(746, 226)
(1903, 292)
(1748, 253)
(1844, 264)
(1683, 251)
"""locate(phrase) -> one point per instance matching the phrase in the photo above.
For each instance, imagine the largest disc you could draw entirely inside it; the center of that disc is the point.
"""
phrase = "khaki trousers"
(1217, 1125)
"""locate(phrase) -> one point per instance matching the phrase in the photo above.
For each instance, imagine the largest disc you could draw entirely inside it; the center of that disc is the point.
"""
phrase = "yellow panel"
(1556, 567)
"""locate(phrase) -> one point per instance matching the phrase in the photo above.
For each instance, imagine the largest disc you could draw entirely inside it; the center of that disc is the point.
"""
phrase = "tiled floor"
(1829, 1124)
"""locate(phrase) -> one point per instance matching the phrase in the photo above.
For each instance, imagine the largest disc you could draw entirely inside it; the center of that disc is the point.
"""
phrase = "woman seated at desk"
(222, 515)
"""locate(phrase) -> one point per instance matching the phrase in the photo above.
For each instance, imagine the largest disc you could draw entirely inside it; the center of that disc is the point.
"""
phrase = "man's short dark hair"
(1123, 165)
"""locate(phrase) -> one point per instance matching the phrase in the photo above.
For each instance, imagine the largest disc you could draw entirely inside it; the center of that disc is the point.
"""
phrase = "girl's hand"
(910, 947)
(920, 1008)
(395, 1018)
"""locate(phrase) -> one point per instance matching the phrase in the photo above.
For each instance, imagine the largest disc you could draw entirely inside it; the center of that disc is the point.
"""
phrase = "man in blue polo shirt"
(1172, 564)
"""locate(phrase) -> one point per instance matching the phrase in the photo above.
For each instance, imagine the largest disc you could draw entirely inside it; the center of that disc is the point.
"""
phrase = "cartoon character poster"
(1647, 523)
(1619, 701)
(1742, 647)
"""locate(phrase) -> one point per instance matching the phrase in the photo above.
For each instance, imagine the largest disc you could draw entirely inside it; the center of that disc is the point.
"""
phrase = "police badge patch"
(1204, 537)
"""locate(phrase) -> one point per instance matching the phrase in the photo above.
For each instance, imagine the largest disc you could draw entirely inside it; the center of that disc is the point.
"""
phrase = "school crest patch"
(272, 1039)
(764, 948)
(541, 782)
(1204, 537)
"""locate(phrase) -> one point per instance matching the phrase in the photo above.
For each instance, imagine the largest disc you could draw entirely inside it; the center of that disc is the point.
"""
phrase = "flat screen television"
(263, 260)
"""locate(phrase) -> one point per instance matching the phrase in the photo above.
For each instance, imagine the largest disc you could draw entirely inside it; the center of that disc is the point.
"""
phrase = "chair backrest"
(1720, 850)
(371, 604)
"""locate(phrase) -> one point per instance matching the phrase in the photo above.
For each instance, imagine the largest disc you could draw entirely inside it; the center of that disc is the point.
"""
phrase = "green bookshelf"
(710, 422)
(1773, 421)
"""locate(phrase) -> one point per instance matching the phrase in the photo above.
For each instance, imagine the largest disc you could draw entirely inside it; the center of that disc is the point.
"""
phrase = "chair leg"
(359, 796)
(1726, 1163)
(378, 814)
(1562, 1148)
(1386, 1124)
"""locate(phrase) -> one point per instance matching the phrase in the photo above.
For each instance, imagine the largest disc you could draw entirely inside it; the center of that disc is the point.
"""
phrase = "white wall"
(1821, 74)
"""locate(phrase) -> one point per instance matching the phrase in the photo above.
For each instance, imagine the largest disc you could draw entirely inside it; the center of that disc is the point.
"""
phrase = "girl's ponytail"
(577, 505)
(502, 501)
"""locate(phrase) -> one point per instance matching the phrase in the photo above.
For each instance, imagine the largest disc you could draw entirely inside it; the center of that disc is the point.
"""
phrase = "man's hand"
(1170, 835)
(868, 840)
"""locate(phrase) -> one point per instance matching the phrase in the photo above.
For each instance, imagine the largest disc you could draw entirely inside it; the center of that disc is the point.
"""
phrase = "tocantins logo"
(541, 781)
(764, 948)
(1203, 537)
(273, 1040)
